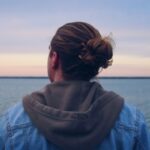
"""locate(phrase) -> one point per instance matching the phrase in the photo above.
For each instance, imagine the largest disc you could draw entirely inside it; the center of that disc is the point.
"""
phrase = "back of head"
(82, 50)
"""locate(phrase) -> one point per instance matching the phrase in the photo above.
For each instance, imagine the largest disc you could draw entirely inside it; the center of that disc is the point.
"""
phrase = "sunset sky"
(26, 28)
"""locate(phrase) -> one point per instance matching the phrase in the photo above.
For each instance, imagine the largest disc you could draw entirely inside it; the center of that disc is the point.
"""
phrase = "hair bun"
(97, 51)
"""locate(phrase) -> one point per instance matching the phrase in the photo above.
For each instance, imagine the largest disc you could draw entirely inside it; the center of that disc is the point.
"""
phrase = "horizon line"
(99, 77)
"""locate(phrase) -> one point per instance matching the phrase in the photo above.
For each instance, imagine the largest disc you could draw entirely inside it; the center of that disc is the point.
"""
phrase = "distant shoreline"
(103, 77)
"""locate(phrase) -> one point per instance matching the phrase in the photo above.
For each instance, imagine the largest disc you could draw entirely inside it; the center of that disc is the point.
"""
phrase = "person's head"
(77, 52)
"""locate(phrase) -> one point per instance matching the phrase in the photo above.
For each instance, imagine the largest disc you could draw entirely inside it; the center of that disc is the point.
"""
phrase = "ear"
(54, 60)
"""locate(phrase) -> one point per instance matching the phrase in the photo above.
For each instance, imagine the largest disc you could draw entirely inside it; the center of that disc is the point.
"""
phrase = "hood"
(73, 115)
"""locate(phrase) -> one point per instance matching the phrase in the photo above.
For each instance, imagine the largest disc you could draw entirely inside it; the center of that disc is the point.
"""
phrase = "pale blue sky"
(27, 26)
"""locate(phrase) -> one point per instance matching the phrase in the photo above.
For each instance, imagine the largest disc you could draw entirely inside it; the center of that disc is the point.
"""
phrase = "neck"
(58, 76)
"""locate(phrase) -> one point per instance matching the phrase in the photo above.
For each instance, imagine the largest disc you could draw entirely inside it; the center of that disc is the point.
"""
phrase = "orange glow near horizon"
(36, 65)
(23, 64)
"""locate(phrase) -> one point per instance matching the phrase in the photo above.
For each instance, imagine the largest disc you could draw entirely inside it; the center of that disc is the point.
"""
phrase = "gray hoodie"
(74, 115)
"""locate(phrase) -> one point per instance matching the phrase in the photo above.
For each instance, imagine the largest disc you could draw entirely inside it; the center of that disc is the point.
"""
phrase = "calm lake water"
(135, 91)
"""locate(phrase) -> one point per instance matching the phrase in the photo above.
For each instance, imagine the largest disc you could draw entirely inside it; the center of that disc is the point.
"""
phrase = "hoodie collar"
(73, 115)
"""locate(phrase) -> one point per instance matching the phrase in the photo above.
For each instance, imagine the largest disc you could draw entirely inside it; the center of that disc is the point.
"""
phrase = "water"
(135, 91)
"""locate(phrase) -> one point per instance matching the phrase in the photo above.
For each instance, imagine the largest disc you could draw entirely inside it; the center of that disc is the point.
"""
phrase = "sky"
(26, 29)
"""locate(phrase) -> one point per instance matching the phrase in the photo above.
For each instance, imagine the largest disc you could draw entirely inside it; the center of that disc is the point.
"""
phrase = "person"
(74, 112)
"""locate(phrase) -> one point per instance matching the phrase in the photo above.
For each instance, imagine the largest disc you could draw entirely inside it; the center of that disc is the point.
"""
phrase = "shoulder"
(13, 118)
(129, 131)
(17, 116)
(132, 125)
(127, 123)
(131, 117)
(16, 126)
